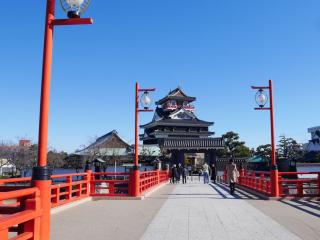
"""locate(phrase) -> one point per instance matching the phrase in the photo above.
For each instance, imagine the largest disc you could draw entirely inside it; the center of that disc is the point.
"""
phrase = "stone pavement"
(192, 211)
(199, 211)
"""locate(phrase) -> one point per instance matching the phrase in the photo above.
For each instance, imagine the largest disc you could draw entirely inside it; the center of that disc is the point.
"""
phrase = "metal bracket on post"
(41, 173)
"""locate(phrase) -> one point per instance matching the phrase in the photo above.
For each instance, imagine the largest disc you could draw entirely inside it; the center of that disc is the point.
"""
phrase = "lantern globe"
(261, 98)
(74, 8)
(145, 100)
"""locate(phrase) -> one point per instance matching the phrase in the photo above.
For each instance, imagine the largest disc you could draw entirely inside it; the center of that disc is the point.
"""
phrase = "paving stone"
(202, 211)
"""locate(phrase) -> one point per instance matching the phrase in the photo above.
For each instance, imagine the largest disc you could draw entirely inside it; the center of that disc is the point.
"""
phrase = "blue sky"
(214, 49)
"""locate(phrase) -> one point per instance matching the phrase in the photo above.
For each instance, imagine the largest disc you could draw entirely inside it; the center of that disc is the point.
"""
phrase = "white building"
(6, 168)
(314, 143)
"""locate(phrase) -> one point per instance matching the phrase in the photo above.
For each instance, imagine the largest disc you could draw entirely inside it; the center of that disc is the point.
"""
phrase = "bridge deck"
(192, 211)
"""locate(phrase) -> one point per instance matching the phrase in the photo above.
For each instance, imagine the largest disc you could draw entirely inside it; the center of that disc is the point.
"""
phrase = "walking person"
(232, 175)
(213, 173)
(184, 175)
(205, 168)
(174, 173)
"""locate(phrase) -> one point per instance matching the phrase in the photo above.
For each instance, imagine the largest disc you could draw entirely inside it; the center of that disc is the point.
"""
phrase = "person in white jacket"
(232, 175)
(205, 169)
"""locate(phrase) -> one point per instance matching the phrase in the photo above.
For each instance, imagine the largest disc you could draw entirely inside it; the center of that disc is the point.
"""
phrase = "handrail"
(298, 173)
(14, 180)
(18, 193)
(297, 187)
(68, 175)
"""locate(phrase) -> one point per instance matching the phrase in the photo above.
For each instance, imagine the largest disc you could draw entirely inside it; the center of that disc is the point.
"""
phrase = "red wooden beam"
(72, 21)
(262, 109)
(145, 110)
(147, 90)
(255, 87)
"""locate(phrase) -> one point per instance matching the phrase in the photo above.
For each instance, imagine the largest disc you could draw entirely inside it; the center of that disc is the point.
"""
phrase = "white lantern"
(261, 98)
(145, 100)
(74, 8)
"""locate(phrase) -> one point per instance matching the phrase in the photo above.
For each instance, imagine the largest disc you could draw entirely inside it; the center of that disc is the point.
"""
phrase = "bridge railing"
(151, 179)
(110, 184)
(299, 184)
(23, 219)
(259, 181)
(20, 208)
(68, 188)
(291, 184)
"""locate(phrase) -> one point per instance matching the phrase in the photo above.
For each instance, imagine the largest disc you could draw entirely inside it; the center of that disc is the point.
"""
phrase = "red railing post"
(158, 177)
(263, 183)
(280, 185)
(245, 179)
(253, 179)
(34, 224)
(88, 179)
(259, 185)
(241, 176)
(300, 189)
(69, 187)
(274, 181)
(57, 195)
(318, 184)
(111, 188)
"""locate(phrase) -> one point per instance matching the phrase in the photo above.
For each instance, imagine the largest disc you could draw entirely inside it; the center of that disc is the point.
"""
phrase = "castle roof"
(176, 94)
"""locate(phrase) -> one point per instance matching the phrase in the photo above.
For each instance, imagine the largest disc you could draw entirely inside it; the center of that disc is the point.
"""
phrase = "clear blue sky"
(214, 49)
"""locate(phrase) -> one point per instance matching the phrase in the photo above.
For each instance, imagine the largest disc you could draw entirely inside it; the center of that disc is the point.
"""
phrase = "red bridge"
(21, 208)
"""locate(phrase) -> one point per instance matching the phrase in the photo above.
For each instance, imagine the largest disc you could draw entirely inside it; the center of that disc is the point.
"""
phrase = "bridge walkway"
(191, 211)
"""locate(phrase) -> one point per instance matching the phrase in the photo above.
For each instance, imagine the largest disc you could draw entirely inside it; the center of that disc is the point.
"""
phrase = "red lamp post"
(41, 175)
(262, 99)
(145, 102)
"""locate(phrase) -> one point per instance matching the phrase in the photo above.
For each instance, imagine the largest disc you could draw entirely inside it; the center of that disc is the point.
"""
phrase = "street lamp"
(74, 8)
(145, 101)
(262, 99)
(41, 175)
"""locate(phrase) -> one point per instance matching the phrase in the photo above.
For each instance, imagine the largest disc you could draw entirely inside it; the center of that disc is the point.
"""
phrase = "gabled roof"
(176, 94)
(104, 139)
(181, 112)
(178, 122)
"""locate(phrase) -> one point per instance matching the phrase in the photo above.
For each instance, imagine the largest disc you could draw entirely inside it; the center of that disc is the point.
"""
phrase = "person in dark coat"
(174, 173)
(185, 173)
(213, 173)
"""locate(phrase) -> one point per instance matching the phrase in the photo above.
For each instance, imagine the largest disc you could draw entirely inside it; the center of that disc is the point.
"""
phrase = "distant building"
(24, 143)
(111, 147)
(314, 144)
(6, 168)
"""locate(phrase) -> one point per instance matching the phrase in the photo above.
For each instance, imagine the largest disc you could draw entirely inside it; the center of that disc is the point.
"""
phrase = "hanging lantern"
(74, 8)
(261, 98)
(145, 100)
